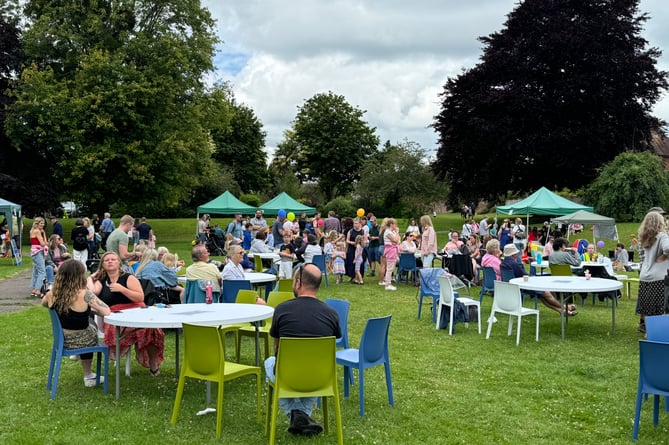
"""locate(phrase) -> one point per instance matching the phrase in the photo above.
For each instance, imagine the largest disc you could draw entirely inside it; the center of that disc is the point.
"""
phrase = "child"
(328, 249)
(287, 254)
(358, 258)
(339, 261)
(246, 243)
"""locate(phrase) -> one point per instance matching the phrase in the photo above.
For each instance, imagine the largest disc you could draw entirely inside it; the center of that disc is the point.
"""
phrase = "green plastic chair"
(305, 367)
(274, 299)
(204, 359)
(284, 285)
(257, 263)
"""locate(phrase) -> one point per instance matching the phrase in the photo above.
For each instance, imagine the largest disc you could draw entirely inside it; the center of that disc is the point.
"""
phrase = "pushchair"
(214, 245)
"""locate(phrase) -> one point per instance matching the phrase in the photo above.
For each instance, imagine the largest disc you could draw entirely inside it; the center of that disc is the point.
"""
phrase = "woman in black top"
(351, 235)
(74, 303)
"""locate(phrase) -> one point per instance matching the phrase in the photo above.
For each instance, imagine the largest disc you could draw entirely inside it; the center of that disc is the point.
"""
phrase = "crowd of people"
(353, 247)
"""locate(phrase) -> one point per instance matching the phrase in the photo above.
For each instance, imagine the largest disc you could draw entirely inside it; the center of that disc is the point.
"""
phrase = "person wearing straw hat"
(510, 262)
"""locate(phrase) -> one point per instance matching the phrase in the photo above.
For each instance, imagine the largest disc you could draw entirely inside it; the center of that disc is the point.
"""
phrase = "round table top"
(259, 277)
(199, 313)
(543, 265)
(567, 284)
(265, 255)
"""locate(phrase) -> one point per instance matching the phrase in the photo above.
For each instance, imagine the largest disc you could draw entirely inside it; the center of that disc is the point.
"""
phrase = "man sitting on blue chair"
(303, 316)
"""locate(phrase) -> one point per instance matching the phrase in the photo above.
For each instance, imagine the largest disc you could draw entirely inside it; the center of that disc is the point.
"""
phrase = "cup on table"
(526, 278)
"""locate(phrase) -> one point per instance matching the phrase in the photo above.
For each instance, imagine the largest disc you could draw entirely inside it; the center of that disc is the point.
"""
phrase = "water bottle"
(208, 291)
(539, 258)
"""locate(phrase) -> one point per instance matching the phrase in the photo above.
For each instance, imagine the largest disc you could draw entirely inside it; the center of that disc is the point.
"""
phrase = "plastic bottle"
(539, 258)
(208, 293)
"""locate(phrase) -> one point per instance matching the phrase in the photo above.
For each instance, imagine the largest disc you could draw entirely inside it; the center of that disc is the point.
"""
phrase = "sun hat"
(510, 249)
(657, 209)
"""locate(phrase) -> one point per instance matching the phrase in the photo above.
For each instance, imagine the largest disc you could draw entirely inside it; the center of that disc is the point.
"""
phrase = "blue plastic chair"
(488, 284)
(231, 287)
(657, 329)
(429, 287)
(342, 307)
(58, 351)
(653, 378)
(407, 264)
(373, 351)
(194, 293)
(319, 261)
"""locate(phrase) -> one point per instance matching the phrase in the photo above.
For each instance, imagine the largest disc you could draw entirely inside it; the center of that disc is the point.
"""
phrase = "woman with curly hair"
(654, 253)
(74, 304)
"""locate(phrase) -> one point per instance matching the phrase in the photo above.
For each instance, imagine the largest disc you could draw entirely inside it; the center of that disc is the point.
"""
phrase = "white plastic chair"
(446, 297)
(509, 301)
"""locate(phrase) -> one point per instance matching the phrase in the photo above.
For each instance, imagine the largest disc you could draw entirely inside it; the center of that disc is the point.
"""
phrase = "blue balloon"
(281, 214)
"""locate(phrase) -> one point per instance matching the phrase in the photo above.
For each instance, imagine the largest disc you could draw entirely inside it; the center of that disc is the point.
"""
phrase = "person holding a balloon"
(277, 228)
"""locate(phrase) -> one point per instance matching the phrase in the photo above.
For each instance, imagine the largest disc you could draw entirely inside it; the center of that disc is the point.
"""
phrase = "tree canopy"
(112, 98)
(629, 185)
(327, 144)
(397, 181)
(561, 90)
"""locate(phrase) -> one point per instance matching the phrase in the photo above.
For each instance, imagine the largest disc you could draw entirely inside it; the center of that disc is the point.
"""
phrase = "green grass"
(460, 389)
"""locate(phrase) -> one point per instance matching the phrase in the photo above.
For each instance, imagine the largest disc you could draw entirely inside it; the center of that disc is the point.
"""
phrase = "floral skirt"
(140, 338)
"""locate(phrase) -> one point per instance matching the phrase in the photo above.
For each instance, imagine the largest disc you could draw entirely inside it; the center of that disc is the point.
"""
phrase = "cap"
(510, 249)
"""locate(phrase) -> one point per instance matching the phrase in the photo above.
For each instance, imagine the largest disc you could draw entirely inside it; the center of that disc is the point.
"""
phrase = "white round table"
(542, 266)
(173, 316)
(571, 284)
(259, 277)
(265, 255)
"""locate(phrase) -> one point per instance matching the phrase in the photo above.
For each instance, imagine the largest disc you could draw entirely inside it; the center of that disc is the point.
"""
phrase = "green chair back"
(246, 296)
(204, 359)
(561, 270)
(305, 367)
(285, 285)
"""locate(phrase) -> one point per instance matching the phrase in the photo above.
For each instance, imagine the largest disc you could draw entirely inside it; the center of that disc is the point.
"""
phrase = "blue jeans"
(427, 260)
(520, 247)
(304, 404)
(39, 272)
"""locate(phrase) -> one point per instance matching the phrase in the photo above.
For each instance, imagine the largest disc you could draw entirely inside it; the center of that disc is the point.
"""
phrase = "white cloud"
(389, 57)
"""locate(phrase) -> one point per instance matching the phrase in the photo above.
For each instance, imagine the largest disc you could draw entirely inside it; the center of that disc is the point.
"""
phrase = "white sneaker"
(74, 357)
(90, 380)
(382, 283)
(390, 287)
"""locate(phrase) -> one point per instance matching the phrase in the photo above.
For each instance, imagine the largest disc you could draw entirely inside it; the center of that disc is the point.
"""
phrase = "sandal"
(155, 372)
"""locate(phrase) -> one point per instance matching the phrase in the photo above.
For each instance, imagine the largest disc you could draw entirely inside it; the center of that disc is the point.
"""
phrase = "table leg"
(176, 351)
(118, 362)
(614, 301)
(257, 326)
(563, 314)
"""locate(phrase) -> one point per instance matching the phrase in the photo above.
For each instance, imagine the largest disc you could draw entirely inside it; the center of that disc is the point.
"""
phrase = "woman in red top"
(37, 251)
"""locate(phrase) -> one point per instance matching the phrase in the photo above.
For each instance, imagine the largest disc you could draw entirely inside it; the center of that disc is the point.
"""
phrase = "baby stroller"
(213, 245)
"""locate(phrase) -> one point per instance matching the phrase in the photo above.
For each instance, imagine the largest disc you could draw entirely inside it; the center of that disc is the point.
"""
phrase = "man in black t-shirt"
(304, 316)
(145, 231)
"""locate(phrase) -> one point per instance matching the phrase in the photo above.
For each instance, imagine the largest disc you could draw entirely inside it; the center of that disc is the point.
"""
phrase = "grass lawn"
(448, 390)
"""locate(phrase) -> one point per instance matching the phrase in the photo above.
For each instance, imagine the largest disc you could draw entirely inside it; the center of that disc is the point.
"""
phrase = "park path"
(15, 293)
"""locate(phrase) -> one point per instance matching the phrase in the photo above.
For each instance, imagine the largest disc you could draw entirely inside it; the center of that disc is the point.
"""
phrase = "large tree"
(328, 142)
(241, 146)
(112, 95)
(398, 181)
(562, 89)
(629, 185)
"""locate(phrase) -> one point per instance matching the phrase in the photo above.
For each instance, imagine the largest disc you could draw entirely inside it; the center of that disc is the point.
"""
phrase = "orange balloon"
(360, 212)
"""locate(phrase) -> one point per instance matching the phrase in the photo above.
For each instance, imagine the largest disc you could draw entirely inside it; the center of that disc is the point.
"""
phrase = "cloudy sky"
(388, 57)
